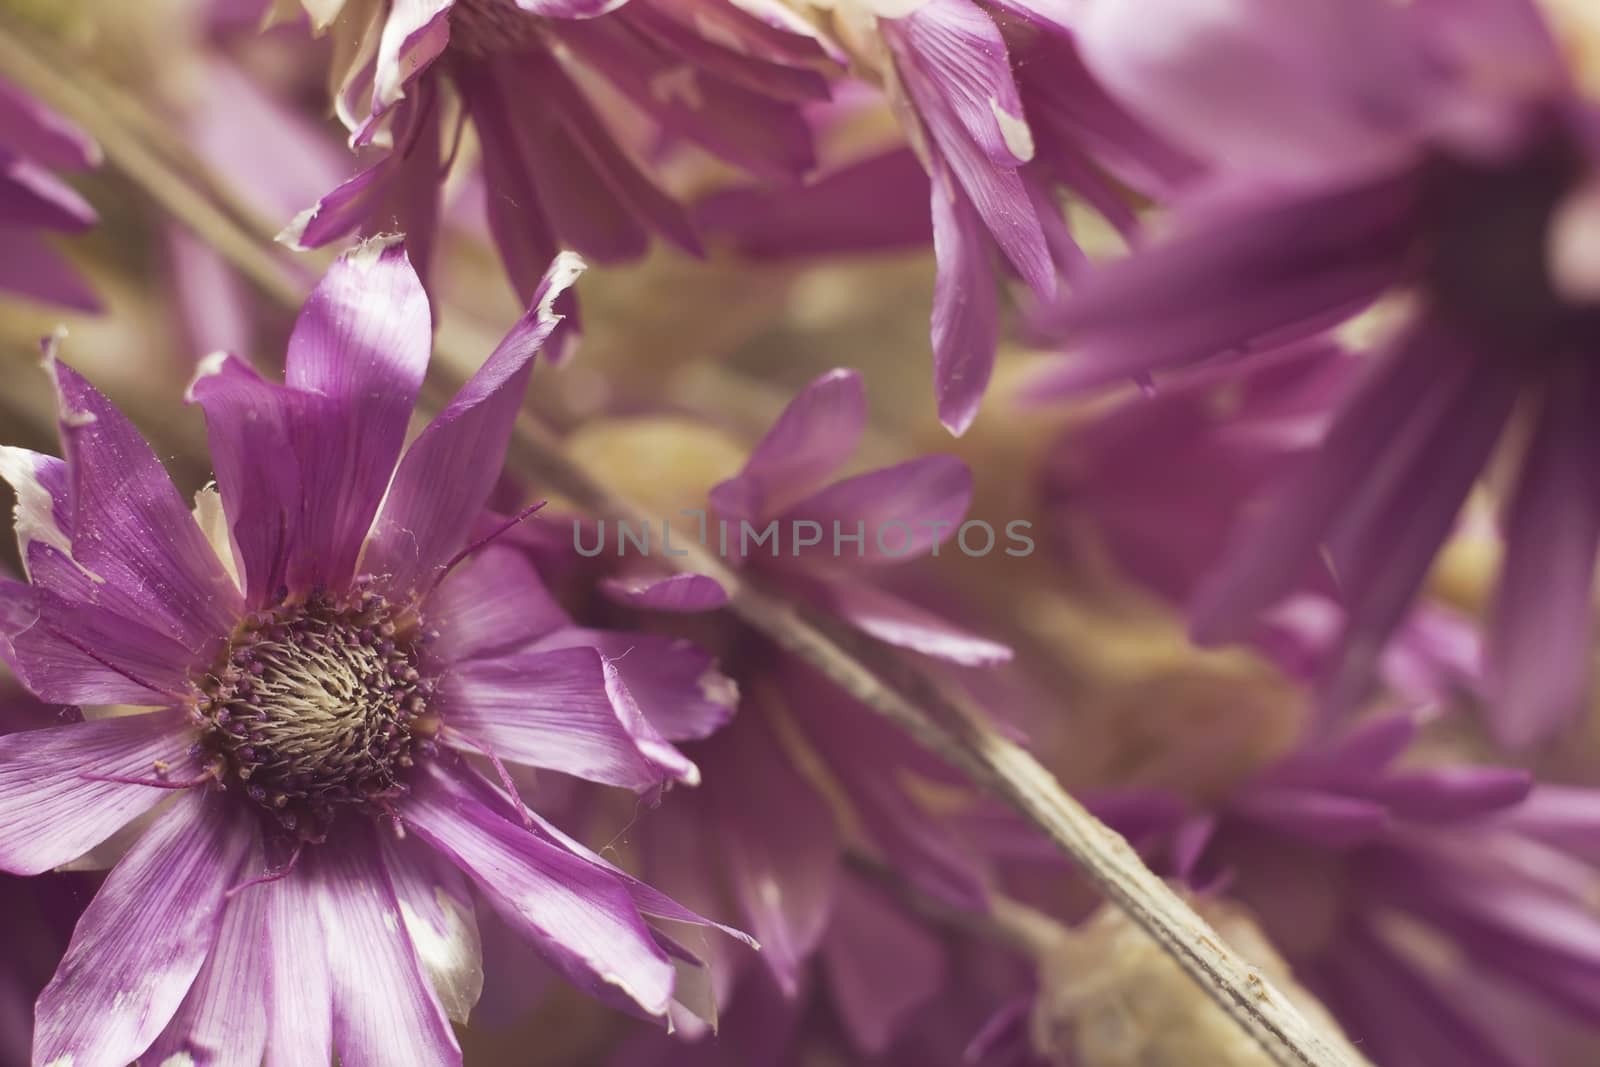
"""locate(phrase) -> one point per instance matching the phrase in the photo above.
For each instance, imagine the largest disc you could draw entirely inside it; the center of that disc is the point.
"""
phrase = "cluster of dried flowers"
(1274, 538)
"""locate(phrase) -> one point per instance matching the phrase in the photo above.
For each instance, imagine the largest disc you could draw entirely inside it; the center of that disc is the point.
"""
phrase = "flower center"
(320, 704)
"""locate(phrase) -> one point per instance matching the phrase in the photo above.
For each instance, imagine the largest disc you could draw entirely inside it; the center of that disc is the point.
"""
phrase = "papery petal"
(781, 847)
(676, 685)
(1451, 793)
(1539, 645)
(414, 34)
(881, 965)
(688, 593)
(223, 1020)
(143, 939)
(580, 918)
(813, 437)
(50, 813)
(298, 987)
(902, 512)
(35, 131)
(130, 527)
(966, 307)
(33, 269)
(436, 903)
(385, 1013)
(1327, 819)
(450, 470)
(31, 196)
(362, 341)
(897, 622)
(549, 709)
(492, 604)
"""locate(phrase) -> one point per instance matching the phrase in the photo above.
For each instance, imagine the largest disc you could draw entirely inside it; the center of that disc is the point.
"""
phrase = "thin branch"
(882, 681)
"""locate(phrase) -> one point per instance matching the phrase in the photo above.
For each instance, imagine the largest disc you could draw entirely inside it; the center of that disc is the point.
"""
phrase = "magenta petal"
(50, 813)
(492, 604)
(255, 429)
(33, 269)
(811, 439)
(896, 622)
(550, 709)
(1328, 819)
(131, 528)
(31, 196)
(361, 341)
(35, 131)
(966, 308)
(676, 685)
(881, 965)
(385, 1013)
(143, 938)
(414, 34)
(299, 990)
(1539, 647)
(1451, 793)
(781, 846)
(687, 593)
(449, 471)
(580, 918)
(902, 512)
(223, 1020)
(436, 903)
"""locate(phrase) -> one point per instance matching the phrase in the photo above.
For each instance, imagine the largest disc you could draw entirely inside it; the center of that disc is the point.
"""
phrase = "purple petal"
(32, 129)
(131, 528)
(780, 845)
(450, 470)
(436, 903)
(813, 437)
(966, 308)
(580, 918)
(688, 593)
(902, 512)
(31, 196)
(954, 64)
(415, 32)
(71, 651)
(33, 269)
(1327, 819)
(256, 432)
(1565, 816)
(1539, 646)
(881, 965)
(50, 813)
(492, 604)
(385, 1014)
(299, 989)
(676, 685)
(896, 622)
(143, 938)
(362, 342)
(1446, 794)
(551, 709)
(223, 1020)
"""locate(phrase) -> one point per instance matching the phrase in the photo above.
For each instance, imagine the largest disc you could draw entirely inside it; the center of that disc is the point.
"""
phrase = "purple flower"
(1370, 875)
(1430, 151)
(313, 883)
(33, 141)
(575, 171)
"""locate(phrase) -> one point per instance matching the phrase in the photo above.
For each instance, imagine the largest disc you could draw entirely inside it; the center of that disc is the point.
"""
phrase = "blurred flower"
(316, 677)
(1432, 150)
(34, 140)
(576, 171)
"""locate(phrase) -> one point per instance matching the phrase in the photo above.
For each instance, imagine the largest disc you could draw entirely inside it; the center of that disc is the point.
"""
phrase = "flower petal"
(50, 813)
(450, 469)
(881, 965)
(1327, 819)
(1539, 646)
(492, 604)
(901, 512)
(550, 709)
(813, 437)
(223, 1020)
(649, 591)
(676, 685)
(299, 987)
(132, 529)
(436, 903)
(966, 307)
(32, 129)
(362, 342)
(580, 918)
(32, 268)
(385, 1013)
(143, 938)
(1448, 794)
(897, 622)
